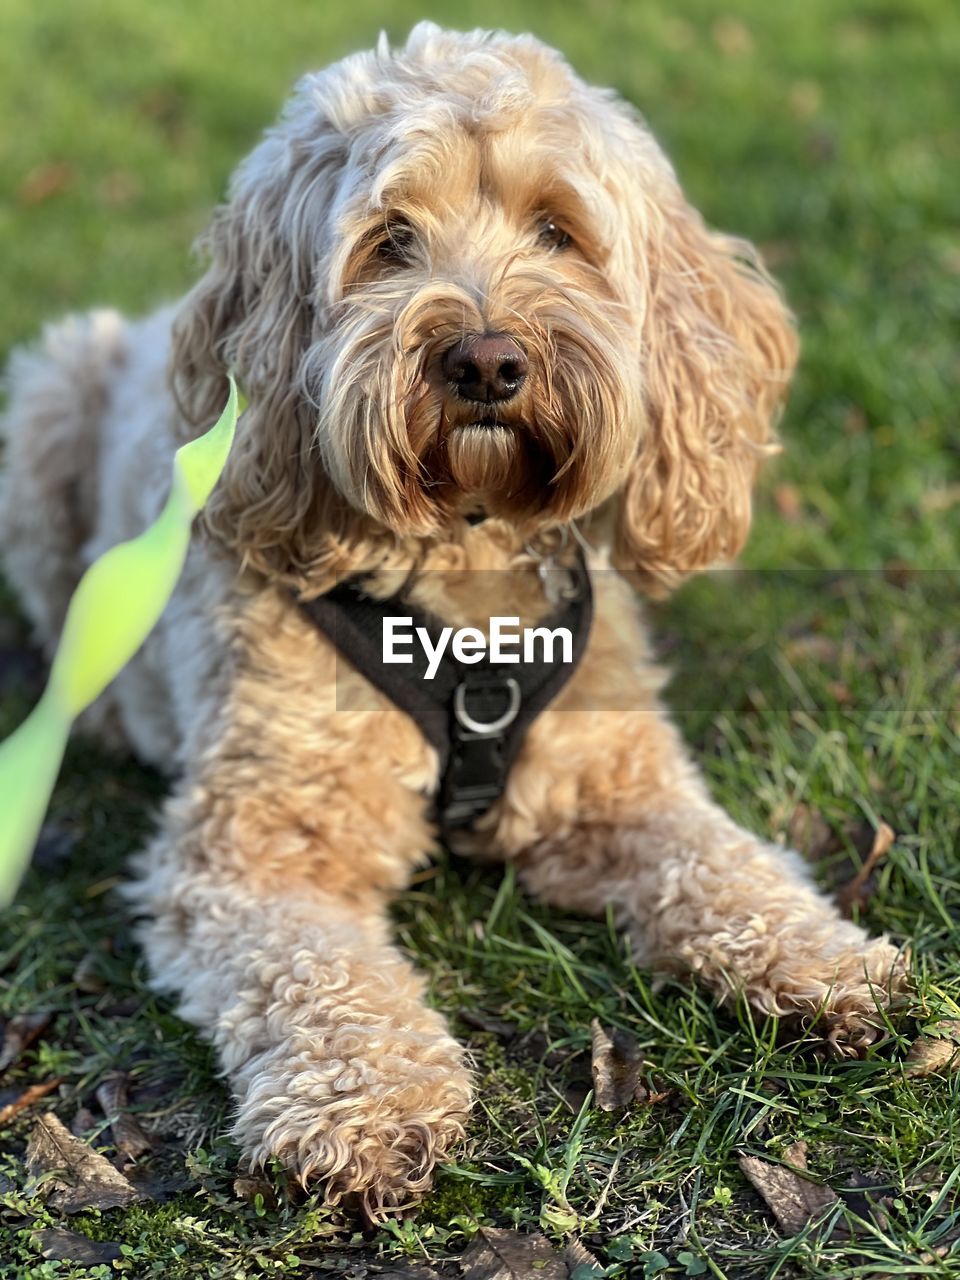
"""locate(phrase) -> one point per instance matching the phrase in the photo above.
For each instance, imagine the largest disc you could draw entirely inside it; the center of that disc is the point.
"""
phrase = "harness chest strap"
(473, 715)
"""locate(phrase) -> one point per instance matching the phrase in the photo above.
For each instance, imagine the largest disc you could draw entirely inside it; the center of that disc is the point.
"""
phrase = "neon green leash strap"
(117, 603)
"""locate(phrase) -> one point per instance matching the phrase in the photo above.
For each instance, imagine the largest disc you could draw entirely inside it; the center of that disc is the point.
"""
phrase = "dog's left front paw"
(843, 995)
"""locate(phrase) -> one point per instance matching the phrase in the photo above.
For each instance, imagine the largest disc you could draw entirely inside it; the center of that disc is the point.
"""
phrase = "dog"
(479, 327)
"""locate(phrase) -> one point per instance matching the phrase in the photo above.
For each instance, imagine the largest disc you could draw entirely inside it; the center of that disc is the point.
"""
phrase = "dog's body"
(406, 204)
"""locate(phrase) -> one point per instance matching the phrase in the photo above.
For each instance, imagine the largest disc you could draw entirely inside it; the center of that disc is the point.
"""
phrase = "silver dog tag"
(559, 584)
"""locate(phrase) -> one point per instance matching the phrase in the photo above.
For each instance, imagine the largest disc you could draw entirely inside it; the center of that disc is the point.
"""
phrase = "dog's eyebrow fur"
(510, 169)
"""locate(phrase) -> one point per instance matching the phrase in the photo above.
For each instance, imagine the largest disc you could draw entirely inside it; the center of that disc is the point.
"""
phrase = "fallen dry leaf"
(496, 1254)
(68, 1246)
(677, 33)
(129, 1137)
(857, 892)
(899, 573)
(809, 831)
(931, 1256)
(795, 1201)
(45, 181)
(810, 647)
(19, 1034)
(935, 500)
(615, 1063)
(120, 187)
(805, 98)
(498, 1027)
(840, 692)
(788, 502)
(792, 1199)
(83, 1123)
(165, 107)
(248, 1188)
(33, 1093)
(732, 37)
(77, 1176)
(938, 1050)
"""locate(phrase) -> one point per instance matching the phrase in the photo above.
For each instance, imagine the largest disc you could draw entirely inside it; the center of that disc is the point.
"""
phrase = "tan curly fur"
(461, 184)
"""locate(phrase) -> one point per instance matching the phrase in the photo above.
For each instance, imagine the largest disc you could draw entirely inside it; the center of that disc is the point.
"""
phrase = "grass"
(825, 677)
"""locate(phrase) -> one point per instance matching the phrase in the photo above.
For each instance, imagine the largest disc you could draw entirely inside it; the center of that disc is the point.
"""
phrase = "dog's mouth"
(494, 456)
(489, 422)
(481, 450)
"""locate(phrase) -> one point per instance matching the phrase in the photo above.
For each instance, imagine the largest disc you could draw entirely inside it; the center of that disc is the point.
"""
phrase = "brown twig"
(28, 1098)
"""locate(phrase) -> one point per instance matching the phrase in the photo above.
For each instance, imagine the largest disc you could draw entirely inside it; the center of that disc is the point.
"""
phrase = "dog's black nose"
(486, 367)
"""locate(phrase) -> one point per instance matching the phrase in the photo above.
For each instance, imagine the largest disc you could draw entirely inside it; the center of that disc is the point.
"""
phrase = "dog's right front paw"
(866, 983)
(370, 1117)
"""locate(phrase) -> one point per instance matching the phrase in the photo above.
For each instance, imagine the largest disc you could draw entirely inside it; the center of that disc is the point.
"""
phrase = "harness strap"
(474, 715)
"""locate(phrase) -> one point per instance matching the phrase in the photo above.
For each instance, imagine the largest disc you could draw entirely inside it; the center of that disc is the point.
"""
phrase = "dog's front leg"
(696, 891)
(338, 1067)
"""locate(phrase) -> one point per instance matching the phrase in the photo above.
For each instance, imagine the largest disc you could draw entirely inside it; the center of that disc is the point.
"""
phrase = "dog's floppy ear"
(718, 351)
(252, 314)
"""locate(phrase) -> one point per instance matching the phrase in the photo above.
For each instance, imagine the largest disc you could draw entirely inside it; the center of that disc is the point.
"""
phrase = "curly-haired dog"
(469, 305)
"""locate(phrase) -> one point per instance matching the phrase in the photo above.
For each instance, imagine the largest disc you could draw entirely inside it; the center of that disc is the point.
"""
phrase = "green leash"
(116, 605)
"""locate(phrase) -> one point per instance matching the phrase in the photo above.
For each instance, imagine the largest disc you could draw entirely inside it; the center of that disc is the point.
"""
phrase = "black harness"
(474, 715)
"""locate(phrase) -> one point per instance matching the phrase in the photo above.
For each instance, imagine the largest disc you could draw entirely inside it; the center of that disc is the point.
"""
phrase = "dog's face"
(455, 278)
(477, 346)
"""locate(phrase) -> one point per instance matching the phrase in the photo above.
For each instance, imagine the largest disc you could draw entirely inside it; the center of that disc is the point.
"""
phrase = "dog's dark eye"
(553, 236)
(397, 242)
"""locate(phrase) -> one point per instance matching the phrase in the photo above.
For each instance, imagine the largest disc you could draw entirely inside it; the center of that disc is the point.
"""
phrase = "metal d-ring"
(489, 728)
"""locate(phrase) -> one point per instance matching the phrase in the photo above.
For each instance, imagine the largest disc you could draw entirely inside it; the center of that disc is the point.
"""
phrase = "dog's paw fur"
(841, 997)
(369, 1121)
